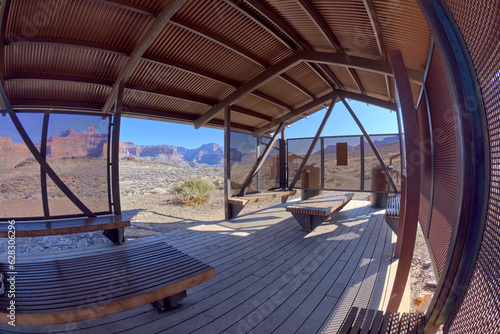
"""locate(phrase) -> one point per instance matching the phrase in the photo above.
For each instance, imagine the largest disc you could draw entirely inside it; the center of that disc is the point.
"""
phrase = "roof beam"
(323, 99)
(327, 33)
(358, 63)
(288, 42)
(66, 42)
(250, 86)
(367, 99)
(272, 100)
(251, 113)
(283, 119)
(129, 6)
(378, 38)
(107, 83)
(234, 48)
(4, 13)
(297, 85)
(177, 117)
(148, 37)
(217, 40)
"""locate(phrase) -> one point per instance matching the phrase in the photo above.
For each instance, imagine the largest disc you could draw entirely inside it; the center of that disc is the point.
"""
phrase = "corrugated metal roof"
(55, 91)
(41, 58)
(79, 20)
(208, 51)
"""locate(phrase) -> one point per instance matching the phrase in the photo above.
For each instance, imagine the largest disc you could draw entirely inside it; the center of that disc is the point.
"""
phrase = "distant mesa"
(69, 144)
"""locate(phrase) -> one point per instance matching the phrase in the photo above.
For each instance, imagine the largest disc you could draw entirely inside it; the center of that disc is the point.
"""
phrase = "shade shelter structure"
(254, 67)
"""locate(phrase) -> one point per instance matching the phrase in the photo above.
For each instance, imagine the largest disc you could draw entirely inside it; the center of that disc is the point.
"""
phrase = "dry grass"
(192, 192)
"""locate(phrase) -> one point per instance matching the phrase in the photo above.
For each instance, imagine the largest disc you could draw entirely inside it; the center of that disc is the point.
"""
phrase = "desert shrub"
(218, 185)
(192, 192)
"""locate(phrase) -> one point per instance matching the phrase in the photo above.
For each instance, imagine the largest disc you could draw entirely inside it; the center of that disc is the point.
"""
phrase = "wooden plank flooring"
(271, 277)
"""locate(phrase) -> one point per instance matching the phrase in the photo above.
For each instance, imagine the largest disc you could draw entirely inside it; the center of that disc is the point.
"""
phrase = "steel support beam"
(313, 144)
(129, 6)
(374, 148)
(148, 37)
(227, 163)
(327, 33)
(39, 158)
(43, 174)
(320, 100)
(252, 113)
(410, 183)
(260, 161)
(323, 99)
(252, 85)
(4, 13)
(378, 38)
(283, 160)
(366, 64)
(115, 151)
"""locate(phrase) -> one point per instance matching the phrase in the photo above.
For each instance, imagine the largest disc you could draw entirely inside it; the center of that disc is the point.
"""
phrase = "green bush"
(192, 192)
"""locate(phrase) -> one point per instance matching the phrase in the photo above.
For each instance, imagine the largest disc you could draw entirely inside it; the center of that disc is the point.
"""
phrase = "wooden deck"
(271, 277)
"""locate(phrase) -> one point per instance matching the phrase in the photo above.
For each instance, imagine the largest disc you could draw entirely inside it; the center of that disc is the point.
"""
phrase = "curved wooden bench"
(106, 282)
(238, 203)
(111, 225)
(313, 211)
(375, 322)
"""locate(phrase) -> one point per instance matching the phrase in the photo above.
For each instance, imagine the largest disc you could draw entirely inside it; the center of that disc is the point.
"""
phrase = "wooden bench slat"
(321, 205)
(259, 197)
(64, 226)
(313, 211)
(128, 283)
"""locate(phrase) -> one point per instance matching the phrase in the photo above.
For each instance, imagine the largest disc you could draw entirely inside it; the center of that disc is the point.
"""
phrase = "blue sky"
(375, 120)
(146, 132)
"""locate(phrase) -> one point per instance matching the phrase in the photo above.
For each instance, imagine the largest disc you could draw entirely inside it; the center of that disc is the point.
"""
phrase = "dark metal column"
(227, 162)
(374, 148)
(362, 162)
(410, 183)
(322, 163)
(283, 160)
(115, 152)
(258, 164)
(43, 174)
(311, 148)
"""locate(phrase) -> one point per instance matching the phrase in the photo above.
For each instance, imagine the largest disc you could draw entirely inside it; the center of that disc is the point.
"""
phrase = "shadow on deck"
(271, 277)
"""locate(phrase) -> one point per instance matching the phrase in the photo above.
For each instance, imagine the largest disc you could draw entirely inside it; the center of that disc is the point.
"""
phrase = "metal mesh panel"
(77, 152)
(479, 24)
(20, 192)
(243, 157)
(343, 177)
(387, 146)
(425, 165)
(446, 176)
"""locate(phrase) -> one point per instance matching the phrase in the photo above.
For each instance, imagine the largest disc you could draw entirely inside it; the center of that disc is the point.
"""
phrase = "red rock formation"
(71, 144)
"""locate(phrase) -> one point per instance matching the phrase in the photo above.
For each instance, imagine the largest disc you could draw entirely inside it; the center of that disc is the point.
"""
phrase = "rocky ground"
(148, 201)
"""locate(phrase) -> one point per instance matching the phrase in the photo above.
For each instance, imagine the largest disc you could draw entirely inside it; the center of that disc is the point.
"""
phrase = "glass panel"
(338, 176)
(77, 151)
(243, 157)
(297, 149)
(269, 174)
(388, 147)
(20, 192)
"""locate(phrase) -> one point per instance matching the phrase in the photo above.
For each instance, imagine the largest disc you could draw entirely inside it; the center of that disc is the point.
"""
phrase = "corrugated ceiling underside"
(221, 46)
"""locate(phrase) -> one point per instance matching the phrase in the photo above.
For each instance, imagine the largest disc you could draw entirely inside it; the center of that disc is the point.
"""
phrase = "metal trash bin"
(379, 183)
(311, 179)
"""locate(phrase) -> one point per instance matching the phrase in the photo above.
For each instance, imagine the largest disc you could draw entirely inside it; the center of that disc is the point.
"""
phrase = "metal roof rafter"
(249, 87)
(327, 33)
(378, 38)
(148, 37)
